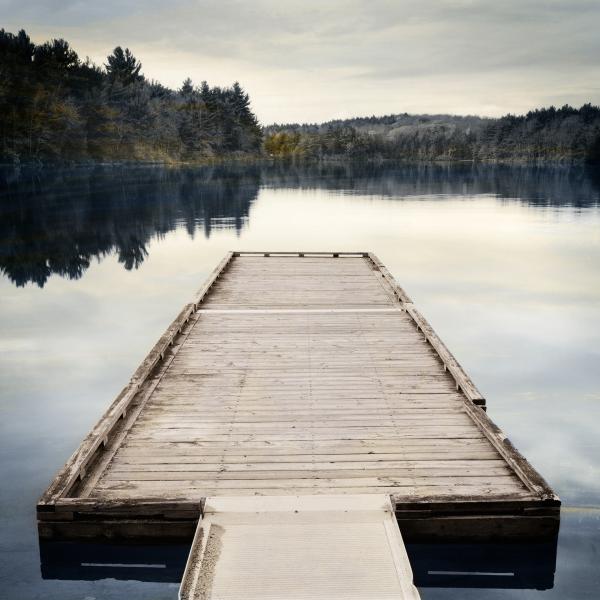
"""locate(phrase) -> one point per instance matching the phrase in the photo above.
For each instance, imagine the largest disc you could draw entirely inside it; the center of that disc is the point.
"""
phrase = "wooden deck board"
(298, 374)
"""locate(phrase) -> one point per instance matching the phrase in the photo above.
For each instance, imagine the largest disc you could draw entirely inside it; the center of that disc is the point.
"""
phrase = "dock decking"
(298, 374)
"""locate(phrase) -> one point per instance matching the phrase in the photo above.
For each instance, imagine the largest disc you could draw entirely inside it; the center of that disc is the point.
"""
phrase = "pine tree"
(122, 66)
(57, 56)
(187, 88)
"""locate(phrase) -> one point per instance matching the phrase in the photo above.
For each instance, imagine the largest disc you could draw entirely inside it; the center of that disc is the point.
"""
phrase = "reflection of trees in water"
(577, 186)
(58, 221)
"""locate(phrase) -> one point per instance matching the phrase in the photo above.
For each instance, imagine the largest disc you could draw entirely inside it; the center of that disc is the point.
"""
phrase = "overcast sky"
(315, 60)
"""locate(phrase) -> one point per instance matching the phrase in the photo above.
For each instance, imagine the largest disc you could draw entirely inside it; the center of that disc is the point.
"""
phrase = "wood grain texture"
(296, 373)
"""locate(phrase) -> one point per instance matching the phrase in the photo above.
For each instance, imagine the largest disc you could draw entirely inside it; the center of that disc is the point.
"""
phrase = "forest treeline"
(56, 106)
(53, 105)
(565, 134)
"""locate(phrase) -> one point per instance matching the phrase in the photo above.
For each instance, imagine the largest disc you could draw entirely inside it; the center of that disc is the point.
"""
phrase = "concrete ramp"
(338, 547)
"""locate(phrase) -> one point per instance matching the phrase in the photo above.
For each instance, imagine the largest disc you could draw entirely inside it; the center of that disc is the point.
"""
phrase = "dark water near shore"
(504, 262)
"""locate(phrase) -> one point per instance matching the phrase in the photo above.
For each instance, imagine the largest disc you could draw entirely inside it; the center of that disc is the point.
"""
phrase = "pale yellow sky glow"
(312, 61)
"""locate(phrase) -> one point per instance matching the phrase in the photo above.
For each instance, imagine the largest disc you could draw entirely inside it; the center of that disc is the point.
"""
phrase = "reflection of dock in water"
(306, 375)
(494, 565)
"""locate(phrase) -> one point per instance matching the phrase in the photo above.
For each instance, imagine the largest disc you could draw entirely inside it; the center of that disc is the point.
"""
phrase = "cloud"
(309, 60)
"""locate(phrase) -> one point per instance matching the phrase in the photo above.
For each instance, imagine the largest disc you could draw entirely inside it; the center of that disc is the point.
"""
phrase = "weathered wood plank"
(295, 372)
(75, 468)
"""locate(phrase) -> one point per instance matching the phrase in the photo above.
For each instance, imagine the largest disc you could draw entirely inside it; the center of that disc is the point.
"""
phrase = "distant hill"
(566, 134)
(388, 125)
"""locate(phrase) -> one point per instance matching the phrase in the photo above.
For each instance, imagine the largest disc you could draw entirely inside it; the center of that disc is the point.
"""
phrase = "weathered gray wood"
(75, 468)
(463, 381)
(387, 276)
(296, 373)
(218, 271)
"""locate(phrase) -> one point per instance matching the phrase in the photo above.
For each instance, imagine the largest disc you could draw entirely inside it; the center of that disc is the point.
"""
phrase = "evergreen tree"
(187, 88)
(56, 56)
(55, 106)
(123, 67)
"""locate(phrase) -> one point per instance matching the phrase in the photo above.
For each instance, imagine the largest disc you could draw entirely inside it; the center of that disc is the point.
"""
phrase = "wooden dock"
(298, 374)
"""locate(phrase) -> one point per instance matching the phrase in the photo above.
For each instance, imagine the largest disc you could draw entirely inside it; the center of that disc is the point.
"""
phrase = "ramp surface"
(298, 548)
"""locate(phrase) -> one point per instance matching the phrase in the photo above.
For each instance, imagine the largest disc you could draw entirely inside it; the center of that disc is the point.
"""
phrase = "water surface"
(96, 262)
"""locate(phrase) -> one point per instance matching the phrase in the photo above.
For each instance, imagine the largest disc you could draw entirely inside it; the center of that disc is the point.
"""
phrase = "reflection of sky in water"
(512, 287)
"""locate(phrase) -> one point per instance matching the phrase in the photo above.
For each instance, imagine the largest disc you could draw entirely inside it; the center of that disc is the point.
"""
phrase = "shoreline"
(261, 160)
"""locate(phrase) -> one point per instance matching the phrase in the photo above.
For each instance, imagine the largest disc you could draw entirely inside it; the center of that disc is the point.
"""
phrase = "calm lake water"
(504, 262)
